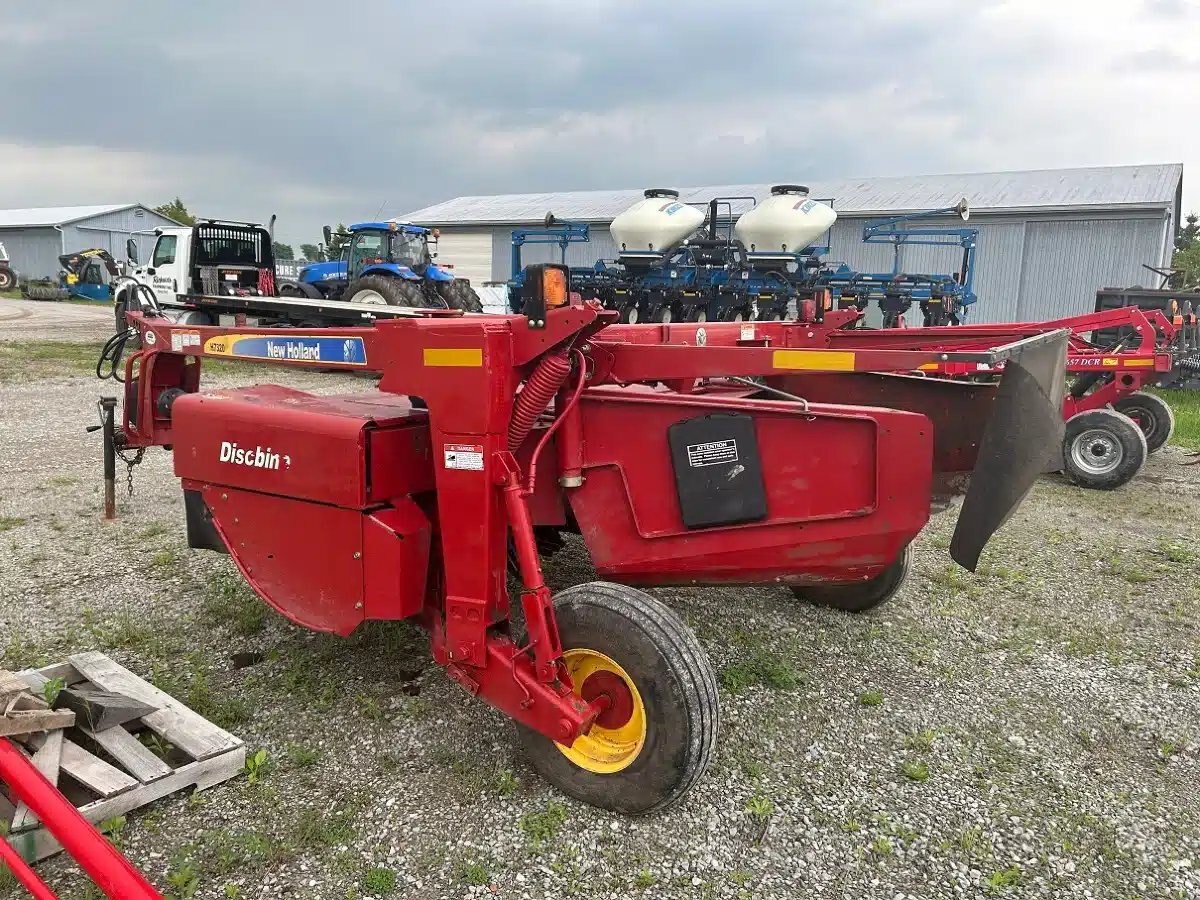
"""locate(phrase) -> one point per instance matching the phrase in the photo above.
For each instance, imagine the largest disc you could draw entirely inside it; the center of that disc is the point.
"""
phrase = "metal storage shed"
(35, 238)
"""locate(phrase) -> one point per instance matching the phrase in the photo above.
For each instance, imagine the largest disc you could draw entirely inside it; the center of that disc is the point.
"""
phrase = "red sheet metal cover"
(281, 441)
(847, 488)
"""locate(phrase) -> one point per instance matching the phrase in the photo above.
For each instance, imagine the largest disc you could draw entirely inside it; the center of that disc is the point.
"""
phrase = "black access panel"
(718, 475)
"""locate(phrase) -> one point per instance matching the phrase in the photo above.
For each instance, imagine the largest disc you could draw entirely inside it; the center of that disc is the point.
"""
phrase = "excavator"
(85, 275)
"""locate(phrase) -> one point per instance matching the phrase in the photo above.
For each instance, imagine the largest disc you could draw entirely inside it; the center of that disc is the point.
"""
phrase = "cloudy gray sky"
(327, 111)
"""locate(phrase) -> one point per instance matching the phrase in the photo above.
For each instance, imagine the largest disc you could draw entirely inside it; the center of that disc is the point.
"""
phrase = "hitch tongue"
(1022, 439)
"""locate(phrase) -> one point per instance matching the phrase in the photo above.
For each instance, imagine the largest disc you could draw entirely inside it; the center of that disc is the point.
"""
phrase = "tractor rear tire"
(8, 279)
(459, 294)
(1152, 414)
(861, 596)
(377, 290)
(1102, 449)
(622, 642)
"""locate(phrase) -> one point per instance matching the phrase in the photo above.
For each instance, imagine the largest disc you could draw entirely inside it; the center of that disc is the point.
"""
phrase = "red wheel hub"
(614, 695)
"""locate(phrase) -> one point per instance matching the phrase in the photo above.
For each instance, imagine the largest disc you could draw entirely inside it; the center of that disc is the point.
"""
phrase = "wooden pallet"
(110, 772)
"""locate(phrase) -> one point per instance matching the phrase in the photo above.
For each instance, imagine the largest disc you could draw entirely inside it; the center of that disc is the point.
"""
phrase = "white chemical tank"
(656, 223)
(786, 222)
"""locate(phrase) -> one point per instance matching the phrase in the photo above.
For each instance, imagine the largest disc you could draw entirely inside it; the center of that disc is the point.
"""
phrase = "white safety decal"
(464, 456)
(713, 453)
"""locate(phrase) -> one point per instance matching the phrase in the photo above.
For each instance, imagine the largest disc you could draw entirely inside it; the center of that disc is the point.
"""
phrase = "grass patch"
(380, 880)
(1186, 406)
(914, 770)
(760, 668)
(31, 360)
(870, 698)
(229, 601)
(1001, 881)
(541, 825)
(8, 523)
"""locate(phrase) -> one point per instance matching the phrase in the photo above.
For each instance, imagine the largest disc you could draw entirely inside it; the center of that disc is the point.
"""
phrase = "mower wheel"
(379, 290)
(8, 279)
(663, 315)
(698, 315)
(1102, 449)
(659, 731)
(1152, 414)
(629, 315)
(861, 596)
(459, 294)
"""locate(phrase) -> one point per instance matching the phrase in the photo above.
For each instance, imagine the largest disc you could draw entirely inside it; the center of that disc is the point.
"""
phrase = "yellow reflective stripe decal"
(467, 356)
(929, 367)
(1138, 363)
(816, 360)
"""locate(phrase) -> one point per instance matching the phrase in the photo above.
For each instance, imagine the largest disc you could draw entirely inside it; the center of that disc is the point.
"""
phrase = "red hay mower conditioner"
(709, 461)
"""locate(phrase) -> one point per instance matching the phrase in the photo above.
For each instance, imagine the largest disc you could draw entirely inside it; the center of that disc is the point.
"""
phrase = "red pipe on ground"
(21, 871)
(111, 871)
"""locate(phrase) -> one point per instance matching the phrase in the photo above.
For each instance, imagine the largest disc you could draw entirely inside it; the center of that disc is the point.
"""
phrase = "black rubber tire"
(664, 315)
(861, 596)
(8, 279)
(395, 291)
(677, 685)
(307, 290)
(290, 289)
(698, 315)
(1152, 414)
(459, 294)
(629, 315)
(1102, 449)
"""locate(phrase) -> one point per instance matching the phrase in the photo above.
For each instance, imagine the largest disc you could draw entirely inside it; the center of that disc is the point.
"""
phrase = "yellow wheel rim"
(605, 750)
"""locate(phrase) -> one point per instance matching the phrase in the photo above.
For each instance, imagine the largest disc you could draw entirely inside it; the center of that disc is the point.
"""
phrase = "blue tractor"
(388, 263)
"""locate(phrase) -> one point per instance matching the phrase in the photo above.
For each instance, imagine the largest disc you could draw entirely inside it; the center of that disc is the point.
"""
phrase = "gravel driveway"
(1029, 731)
(40, 320)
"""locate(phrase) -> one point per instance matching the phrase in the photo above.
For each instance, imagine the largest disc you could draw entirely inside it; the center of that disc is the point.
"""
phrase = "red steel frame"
(1134, 367)
(111, 871)
(468, 371)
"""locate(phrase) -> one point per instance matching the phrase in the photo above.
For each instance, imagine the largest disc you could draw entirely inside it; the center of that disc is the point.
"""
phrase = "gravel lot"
(1030, 731)
(32, 320)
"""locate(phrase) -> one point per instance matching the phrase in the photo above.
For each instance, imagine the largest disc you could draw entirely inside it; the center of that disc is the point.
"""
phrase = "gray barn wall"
(1026, 268)
(33, 252)
(111, 230)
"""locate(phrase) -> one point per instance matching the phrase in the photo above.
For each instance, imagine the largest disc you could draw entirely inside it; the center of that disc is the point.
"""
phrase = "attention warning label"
(714, 453)
(463, 456)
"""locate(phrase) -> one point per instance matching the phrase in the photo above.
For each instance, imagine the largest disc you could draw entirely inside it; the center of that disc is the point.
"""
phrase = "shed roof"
(56, 215)
(1103, 187)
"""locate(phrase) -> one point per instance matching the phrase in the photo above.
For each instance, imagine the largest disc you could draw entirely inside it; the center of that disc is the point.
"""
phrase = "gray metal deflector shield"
(1023, 439)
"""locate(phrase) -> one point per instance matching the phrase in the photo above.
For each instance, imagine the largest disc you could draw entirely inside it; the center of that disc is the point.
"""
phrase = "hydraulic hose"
(539, 390)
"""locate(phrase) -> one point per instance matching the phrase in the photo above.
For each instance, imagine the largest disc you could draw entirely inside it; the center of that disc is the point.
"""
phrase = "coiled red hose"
(539, 390)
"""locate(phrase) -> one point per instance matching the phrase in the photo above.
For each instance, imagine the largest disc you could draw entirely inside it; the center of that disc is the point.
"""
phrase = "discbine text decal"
(258, 458)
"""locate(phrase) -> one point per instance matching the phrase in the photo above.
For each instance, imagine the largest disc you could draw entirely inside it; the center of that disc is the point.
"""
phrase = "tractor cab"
(393, 248)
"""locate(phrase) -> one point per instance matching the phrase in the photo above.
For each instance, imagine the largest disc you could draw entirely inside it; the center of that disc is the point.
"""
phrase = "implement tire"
(1152, 414)
(660, 731)
(861, 596)
(378, 290)
(459, 294)
(1102, 449)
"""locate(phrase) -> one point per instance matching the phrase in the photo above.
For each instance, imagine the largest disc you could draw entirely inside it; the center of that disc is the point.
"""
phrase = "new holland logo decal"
(328, 351)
